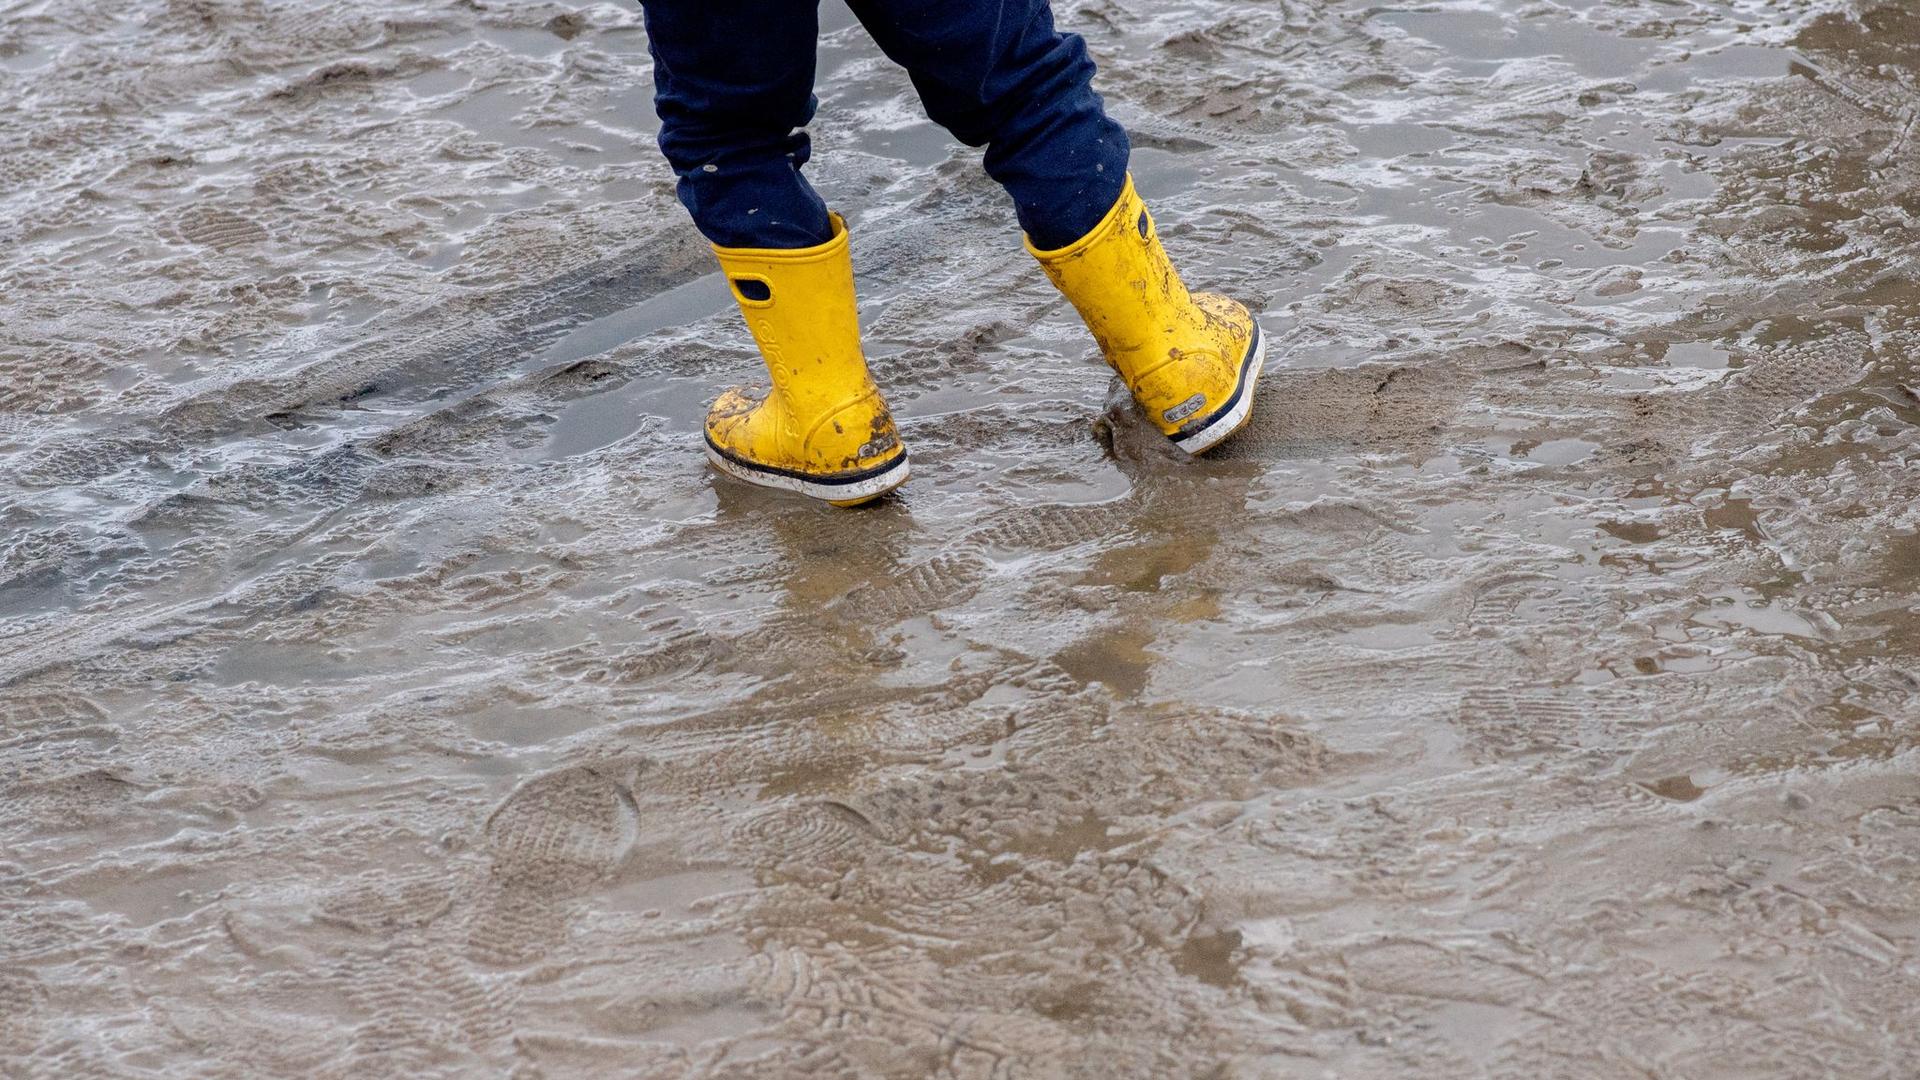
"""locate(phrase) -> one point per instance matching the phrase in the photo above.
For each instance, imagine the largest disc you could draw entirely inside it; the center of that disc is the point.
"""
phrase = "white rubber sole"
(1222, 427)
(855, 491)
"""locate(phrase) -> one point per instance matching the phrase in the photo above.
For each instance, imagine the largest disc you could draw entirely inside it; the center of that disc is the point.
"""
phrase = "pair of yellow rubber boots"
(1191, 360)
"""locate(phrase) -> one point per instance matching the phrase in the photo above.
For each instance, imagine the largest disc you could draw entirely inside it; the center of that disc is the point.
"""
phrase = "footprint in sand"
(557, 836)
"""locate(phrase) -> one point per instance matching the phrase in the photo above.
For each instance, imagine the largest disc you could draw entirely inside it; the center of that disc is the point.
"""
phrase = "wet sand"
(388, 689)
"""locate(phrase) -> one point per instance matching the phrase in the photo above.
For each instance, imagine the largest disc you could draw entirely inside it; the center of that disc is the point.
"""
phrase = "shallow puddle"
(388, 688)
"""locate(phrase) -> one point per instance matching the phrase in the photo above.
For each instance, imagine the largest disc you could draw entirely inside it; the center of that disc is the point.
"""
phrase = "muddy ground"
(388, 689)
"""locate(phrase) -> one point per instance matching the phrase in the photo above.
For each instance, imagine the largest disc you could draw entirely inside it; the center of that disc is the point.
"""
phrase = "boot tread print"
(1191, 360)
(822, 429)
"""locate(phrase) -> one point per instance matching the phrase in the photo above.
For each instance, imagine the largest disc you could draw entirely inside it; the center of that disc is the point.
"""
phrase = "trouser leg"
(997, 74)
(733, 84)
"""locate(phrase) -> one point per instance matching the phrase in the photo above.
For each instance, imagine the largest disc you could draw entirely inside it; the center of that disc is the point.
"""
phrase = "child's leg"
(996, 74)
(733, 84)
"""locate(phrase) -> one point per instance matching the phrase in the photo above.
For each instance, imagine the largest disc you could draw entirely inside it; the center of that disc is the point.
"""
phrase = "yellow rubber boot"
(1191, 360)
(822, 429)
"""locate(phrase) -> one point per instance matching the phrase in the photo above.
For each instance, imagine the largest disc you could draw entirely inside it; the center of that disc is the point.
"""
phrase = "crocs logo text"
(1185, 409)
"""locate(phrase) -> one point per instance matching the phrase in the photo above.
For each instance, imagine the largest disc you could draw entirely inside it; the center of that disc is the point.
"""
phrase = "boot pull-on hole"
(1143, 224)
(752, 290)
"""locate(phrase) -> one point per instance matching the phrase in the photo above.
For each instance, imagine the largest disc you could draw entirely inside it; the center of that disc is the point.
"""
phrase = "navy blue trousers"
(733, 83)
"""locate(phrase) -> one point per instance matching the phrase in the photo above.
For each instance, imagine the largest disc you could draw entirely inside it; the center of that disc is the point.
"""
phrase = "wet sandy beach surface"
(388, 689)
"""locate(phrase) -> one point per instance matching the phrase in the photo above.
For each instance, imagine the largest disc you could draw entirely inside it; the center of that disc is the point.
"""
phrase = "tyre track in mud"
(444, 348)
